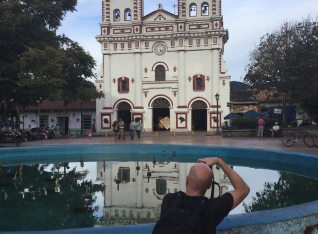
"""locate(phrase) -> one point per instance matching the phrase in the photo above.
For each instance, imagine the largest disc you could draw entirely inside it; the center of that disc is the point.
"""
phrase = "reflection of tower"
(139, 187)
(108, 182)
(182, 176)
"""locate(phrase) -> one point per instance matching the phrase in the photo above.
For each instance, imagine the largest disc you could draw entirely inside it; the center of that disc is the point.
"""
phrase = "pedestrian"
(274, 129)
(138, 127)
(29, 128)
(261, 124)
(89, 133)
(121, 125)
(57, 131)
(132, 129)
(200, 214)
(115, 129)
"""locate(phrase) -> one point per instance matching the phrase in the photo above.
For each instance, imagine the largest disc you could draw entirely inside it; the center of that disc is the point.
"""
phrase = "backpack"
(182, 216)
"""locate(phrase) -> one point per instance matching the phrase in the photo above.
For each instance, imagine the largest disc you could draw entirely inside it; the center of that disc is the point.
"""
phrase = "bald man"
(197, 183)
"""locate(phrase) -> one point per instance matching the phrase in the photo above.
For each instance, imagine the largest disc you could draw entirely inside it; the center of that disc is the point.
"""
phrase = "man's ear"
(210, 185)
(187, 179)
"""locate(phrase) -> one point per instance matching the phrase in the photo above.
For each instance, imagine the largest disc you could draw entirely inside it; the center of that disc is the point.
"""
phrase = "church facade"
(162, 68)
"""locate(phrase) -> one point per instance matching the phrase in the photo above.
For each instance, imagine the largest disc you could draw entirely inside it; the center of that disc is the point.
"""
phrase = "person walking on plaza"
(89, 133)
(132, 129)
(261, 124)
(115, 129)
(57, 131)
(274, 129)
(138, 127)
(121, 125)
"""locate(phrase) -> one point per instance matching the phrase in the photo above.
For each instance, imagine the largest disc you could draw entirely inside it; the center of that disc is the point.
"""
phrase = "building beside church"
(162, 68)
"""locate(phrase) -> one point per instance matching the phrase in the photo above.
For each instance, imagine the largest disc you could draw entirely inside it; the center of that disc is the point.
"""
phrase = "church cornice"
(167, 36)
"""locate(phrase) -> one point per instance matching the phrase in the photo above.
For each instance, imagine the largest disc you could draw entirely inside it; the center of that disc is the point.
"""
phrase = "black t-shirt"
(213, 215)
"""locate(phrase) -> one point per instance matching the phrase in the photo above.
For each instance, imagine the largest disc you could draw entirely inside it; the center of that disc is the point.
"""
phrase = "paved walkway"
(199, 138)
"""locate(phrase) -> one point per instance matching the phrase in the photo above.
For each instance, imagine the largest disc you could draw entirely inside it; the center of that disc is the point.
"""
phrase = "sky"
(246, 20)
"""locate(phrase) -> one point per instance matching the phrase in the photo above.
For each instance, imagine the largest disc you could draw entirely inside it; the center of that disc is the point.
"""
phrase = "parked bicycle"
(298, 136)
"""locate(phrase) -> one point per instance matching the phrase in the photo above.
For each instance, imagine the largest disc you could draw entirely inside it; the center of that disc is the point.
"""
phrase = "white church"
(162, 68)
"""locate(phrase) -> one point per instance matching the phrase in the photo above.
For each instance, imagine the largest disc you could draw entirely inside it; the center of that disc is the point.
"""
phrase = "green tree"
(285, 62)
(36, 203)
(290, 190)
(34, 61)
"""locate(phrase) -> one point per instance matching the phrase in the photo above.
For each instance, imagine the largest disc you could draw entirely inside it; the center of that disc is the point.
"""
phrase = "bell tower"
(122, 11)
(191, 9)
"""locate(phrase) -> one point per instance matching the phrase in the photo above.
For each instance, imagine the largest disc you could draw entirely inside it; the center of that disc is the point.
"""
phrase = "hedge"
(252, 122)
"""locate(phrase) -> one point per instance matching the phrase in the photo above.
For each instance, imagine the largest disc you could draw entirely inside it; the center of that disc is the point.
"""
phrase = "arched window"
(161, 186)
(205, 9)
(160, 73)
(127, 14)
(193, 9)
(123, 85)
(199, 82)
(116, 15)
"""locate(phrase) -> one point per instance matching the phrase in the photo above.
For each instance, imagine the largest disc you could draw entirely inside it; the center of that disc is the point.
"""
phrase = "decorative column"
(109, 184)
(138, 78)
(139, 187)
(182, 176)
(181, 79)
(107, 82)
(215, 75)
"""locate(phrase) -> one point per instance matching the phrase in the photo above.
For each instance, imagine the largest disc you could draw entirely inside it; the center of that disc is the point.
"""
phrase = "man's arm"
(241, 189)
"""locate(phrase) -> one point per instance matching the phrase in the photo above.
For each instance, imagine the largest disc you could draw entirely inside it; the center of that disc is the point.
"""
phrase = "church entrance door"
(199, 116)
(124, 113)
(161, 115)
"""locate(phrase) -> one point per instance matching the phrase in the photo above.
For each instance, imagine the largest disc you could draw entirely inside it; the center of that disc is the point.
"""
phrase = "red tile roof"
(247, 96)
(58, 106)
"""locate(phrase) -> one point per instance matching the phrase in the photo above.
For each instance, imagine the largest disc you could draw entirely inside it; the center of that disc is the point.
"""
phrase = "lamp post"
(217, 97)
(23, 122)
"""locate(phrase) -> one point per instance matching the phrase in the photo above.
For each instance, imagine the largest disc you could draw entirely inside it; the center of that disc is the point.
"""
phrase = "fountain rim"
(231, 221)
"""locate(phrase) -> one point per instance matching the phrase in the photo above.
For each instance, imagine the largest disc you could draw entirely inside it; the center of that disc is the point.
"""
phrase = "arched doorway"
(199, 116)
(161, 115)
(124, 113)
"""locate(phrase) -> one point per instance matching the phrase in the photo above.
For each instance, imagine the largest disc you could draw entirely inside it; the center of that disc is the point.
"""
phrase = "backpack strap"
(212, 197)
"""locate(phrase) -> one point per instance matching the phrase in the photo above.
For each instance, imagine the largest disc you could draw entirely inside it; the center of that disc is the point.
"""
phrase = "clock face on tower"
(160, 48)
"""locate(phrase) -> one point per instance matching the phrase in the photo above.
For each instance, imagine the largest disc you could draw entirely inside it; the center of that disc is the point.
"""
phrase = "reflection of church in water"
(133, 196)
(163, 68)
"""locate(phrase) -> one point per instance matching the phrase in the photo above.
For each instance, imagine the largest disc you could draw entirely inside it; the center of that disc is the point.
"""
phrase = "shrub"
(271, 122)
(252, 122)
(245, 122)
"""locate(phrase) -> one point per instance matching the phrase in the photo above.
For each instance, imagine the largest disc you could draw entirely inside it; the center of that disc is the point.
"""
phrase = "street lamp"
(217, 97)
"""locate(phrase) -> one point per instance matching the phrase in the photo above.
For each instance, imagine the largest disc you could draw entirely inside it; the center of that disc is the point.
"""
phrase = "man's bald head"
(199, 179)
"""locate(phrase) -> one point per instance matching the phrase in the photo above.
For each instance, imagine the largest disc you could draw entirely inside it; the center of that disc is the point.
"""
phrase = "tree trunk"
(81, 117)
(284, 109)
(64, 133)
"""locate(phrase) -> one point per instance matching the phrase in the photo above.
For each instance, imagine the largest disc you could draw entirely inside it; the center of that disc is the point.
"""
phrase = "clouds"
(246, 20)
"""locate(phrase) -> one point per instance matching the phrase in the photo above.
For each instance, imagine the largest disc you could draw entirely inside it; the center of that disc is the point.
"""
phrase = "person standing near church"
(132, 128)
(138, 127)
(57, 131)
(261, 124)
(121, 125)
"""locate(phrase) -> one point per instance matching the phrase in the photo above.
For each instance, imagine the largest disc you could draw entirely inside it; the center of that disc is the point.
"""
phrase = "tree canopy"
(290, 190)
(35, 62)
(286, 62)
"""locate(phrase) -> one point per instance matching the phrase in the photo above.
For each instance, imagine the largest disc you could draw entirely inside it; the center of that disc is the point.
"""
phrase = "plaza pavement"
(199, 138)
